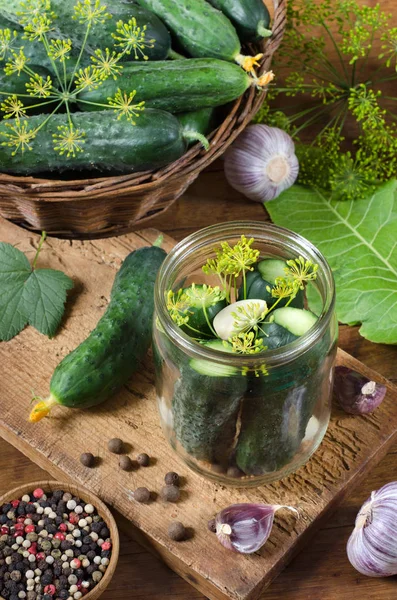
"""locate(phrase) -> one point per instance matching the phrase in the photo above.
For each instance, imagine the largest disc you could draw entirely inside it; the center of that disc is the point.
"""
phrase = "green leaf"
(44, 299)
(29, 296)
(359, 240)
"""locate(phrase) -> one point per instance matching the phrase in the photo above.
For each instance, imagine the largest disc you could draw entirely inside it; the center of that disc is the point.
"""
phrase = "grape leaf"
(28, 295)
(359, 240)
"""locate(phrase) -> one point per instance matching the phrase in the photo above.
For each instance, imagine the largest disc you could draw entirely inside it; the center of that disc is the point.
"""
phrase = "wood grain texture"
(351, 446)
(88, 498)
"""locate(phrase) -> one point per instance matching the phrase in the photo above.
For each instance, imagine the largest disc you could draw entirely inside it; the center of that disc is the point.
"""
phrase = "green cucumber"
(256, 287)
(273, 424)
(200, 121)
(275, 336)
(250, 17)
(100, 35)
(271, 268)
(205, 408)
(33, 50)
(175, 86)
(200, 29)
(297, 320)
(115, 348)
(110, 145)
(201, 312)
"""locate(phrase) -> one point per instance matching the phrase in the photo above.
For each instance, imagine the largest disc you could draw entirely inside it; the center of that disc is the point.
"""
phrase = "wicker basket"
(105, 206)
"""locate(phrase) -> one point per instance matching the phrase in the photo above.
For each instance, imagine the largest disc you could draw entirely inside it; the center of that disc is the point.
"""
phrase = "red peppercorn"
(30, 529)
(50, 589)
(15, 503)
(106, 546)
(78, 584)
(29, 515)
(33, 549)
(75, 563)
(63, 527)
(40, 556)
(4, 530)
(21, 519)
(19, 526)
(16, 534)
(73, 518)
(38, 493)
(59, 536)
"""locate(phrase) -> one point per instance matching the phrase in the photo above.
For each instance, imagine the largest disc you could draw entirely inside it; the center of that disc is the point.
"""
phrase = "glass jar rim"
(230, 229)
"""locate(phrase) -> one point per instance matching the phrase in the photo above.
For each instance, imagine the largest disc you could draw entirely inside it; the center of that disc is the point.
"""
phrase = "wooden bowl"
(95, 207)
(89, 498)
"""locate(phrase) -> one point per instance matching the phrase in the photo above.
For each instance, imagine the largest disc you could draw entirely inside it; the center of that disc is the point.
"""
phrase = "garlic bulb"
(245, 528)
(262, 162)
(372, 547)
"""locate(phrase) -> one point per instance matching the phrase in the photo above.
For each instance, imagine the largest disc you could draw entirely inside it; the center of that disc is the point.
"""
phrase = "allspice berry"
(170, 493)
(116, 446)
(87, 459)
(143, 459)
(142, 494)
(172, 478)
(125, 463)
(177, 531)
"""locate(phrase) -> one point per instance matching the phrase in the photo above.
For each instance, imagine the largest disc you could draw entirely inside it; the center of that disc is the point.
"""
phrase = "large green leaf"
(359, 240)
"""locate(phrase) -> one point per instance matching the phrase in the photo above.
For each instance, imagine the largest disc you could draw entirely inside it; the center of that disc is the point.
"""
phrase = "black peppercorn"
(105, 533)
(170, 493)
(172, 478)
(91, 555)
(91, 568)
(143, 459)
(116, 446)
(84, 549)
(63, 595)
(177, 531)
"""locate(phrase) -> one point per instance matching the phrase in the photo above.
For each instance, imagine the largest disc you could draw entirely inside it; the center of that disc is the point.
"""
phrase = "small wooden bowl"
(89, 498)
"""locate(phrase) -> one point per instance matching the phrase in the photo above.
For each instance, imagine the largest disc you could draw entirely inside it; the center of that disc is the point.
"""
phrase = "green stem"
(195, 136)
(49, 116)
(245, 285)
(41, 104)
(208, 321)
(92, 103)
(335, 117)
(53, 63)
(335, 45)
(25, 95)
(76, 66)
(311, 120)
(41, 242)
(196, 330)
(173, 55)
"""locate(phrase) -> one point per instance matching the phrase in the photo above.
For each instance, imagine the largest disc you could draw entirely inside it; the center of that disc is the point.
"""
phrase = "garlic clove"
(239, 316)
(244, 528)
(355, 393)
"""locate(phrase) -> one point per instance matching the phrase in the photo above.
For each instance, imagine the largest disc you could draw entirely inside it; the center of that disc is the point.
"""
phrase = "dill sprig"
(60, 90)
(336, 93)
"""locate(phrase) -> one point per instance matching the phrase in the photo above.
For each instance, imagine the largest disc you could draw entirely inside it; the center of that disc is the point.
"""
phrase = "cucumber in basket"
(175, 86)
(200, 29)
(16, 84)
(108, 144)
(115, 348)
(250, 17)
(197, 123)
(100, 35)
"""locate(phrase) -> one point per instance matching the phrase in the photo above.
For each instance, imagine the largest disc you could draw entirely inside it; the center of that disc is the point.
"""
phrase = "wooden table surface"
(322, 571)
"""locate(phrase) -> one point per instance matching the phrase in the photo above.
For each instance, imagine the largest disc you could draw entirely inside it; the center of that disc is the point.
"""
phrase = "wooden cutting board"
(350, 448)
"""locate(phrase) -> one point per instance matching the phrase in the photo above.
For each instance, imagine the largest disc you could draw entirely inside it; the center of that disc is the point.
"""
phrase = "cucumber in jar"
(205, 407)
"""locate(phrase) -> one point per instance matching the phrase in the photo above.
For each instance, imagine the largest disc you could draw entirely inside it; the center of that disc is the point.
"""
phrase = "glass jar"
(237, 419)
